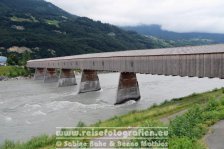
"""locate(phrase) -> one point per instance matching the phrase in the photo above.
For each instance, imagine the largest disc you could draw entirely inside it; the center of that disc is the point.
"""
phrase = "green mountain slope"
(46, 31)
(179, 39)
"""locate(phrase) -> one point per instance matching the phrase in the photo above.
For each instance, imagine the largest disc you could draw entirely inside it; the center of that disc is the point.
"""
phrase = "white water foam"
(57, 105)
(128, 103)
(38, 113)
(28, 122)
(31, 107)
(34, 106)
(80, 106)
(7, 118)
(98, 101)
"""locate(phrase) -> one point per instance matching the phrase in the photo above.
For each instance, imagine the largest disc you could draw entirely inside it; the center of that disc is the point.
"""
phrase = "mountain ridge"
(157, 31)
(48, 31)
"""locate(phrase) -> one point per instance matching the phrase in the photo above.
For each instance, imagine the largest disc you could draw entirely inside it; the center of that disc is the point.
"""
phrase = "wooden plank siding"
(196, 65)
(185, 61)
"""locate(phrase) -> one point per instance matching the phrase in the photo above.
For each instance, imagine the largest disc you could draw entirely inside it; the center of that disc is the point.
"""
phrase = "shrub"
(181, 143)
(185, 125)
(165, 102)
(222, 101)
(214, 90)
(80, 124)
(212, 104)
(154, 105)
(98, 123)
(41, 141)
(184, 143)
(193, 95)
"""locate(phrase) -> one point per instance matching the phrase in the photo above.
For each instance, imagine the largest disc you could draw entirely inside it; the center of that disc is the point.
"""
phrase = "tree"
(24, 58)
(12, 59)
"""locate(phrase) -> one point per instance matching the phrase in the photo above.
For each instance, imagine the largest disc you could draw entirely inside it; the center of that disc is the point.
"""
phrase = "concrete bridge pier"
(67, 78)
(51, 75)
(128, 88)
(89, 81)
(39, 73)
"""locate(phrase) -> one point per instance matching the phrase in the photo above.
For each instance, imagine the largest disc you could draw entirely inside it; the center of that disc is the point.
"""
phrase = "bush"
(154, 105)
(185, 130)
(212, 104)
(41, 141)
(184, 143)
(80, 124)
(13, 71)
(222, 101)
(214, 90)
(185, 125)
(181, 143)
(193, 95)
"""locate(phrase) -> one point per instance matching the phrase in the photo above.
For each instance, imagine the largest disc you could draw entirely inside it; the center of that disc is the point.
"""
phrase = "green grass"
(17, 19)
(34, 19)
(13, 71)
(185, 131)
(53, 22)
(194, 124)
(36, 142)
(137, 118)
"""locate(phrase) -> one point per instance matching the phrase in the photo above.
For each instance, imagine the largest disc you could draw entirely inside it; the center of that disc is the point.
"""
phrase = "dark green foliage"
(24, 58)
(18, 59)
(14, 71)
(12, 59)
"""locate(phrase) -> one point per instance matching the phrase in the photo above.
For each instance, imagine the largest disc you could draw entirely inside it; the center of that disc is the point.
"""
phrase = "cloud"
(174, 15)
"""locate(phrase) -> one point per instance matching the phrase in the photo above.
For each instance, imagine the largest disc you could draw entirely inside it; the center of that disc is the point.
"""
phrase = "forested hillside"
(44, 30)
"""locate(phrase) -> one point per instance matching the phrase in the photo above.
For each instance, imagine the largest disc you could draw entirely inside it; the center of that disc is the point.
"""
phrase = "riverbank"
(186, 131)
(7, 72)
(3, 78)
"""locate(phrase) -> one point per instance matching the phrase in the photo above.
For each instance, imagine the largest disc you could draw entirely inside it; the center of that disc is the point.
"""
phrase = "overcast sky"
(174, 15)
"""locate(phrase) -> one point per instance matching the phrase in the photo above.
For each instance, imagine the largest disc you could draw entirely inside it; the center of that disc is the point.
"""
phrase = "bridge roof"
(216, 48)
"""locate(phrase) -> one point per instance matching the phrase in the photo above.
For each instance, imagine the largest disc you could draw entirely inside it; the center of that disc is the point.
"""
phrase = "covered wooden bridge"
(194, 61)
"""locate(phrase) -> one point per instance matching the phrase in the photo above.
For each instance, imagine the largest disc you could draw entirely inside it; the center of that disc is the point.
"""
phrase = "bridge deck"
(218, 48)
(200, 61)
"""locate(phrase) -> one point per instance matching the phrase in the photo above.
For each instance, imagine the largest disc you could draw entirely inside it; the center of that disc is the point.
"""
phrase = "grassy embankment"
(186, 131)
(13, 71)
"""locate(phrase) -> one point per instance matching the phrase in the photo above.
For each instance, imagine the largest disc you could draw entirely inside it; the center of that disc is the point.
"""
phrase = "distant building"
(3, 61)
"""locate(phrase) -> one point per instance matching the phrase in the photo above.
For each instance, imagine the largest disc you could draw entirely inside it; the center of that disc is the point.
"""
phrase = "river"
(31, 108)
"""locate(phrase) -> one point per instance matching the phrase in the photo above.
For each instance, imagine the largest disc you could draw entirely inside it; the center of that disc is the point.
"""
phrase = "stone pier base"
(39, 73)
(89, 81)
(51, 75)
(67, 78)
(128, 88)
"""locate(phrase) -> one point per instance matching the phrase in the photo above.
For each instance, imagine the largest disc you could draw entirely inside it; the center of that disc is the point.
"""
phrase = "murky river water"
(30, 108)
